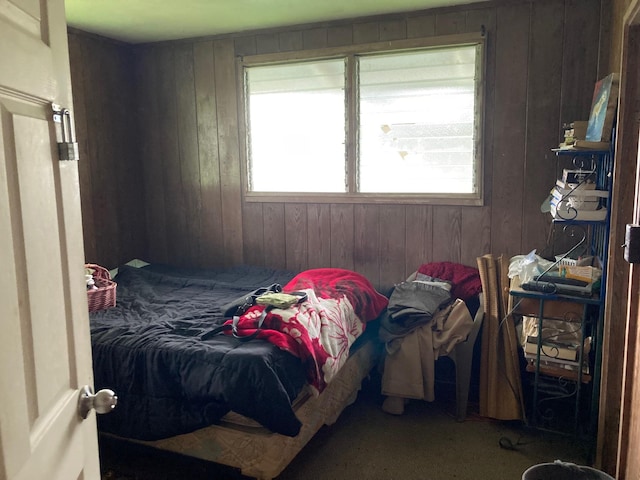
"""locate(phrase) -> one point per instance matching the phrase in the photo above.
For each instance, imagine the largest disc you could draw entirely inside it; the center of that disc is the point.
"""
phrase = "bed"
(185, 386)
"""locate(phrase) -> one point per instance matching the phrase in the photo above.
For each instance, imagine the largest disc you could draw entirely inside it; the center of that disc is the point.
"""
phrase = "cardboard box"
(558, 309)
(553, 309)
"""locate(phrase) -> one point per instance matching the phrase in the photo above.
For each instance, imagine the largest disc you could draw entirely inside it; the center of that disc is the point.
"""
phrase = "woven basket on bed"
(104, 296)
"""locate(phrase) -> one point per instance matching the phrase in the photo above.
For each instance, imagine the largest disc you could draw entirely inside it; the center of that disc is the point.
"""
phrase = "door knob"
(103, 402)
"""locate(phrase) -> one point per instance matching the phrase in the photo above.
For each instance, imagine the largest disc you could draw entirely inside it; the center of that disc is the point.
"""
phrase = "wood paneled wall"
(113, 209)
(160, 130)
(542, 64)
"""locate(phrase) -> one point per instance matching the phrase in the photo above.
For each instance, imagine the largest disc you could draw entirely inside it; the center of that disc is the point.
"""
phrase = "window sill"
(365, 198)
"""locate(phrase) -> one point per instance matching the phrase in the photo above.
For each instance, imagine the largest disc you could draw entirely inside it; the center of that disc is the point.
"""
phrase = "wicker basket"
(105, 295)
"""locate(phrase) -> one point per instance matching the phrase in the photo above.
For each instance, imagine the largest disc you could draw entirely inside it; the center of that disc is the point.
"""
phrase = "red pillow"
(367, 303)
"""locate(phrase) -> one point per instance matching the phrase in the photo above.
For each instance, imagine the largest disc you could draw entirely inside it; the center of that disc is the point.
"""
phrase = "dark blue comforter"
(148, 349)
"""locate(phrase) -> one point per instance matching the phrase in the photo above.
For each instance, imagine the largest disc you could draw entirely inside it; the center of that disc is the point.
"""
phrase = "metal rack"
(577, 391)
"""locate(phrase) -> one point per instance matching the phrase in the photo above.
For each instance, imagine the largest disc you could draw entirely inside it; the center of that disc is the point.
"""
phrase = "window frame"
(351, 124)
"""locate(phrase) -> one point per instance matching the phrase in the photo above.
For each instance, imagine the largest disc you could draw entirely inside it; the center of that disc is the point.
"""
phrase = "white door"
(45, 354)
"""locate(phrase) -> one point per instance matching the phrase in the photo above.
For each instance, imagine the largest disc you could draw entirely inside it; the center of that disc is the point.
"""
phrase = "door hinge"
(632, 243)
(68, 147)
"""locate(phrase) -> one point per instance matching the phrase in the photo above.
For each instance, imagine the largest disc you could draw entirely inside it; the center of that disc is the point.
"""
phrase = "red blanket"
(320, 330)
(465, 281)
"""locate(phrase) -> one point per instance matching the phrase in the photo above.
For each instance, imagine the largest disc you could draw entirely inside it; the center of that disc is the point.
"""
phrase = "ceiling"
(140, 21)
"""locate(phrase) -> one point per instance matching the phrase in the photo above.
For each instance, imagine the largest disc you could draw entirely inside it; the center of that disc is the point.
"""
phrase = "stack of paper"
(577, 201)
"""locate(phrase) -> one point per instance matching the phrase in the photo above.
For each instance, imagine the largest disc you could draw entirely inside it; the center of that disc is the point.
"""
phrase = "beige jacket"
(409, 368)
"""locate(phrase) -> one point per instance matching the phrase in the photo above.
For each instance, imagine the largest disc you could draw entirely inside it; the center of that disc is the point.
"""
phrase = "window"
(296, 125)
(401, 123)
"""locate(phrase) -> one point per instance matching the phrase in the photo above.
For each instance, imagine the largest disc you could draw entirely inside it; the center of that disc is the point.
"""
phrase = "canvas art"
(603, 109)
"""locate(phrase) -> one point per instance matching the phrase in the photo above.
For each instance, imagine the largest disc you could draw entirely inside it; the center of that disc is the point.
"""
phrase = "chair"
(462, 357)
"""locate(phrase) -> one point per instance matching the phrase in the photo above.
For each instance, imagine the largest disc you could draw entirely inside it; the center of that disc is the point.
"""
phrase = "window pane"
(296, 116)
(417, 113)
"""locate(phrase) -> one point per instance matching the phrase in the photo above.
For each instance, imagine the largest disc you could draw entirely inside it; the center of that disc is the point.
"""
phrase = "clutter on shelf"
(565, 275)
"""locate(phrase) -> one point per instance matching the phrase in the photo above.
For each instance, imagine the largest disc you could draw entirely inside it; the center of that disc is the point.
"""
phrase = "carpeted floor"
(426, 443)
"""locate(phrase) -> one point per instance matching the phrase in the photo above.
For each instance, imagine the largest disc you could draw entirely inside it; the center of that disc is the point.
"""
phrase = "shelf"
(559, 372)
(558, 383)
(579, 151)
(583, 221)
(517, 291)
(579, 222)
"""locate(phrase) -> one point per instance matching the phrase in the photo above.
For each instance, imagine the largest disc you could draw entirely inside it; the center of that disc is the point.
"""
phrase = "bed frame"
(261, 454)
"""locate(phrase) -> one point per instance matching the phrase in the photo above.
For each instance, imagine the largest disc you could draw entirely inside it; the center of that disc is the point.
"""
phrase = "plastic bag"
(527, 266)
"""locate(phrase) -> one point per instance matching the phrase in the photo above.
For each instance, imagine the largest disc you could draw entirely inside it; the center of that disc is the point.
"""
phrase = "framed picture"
(603, 109)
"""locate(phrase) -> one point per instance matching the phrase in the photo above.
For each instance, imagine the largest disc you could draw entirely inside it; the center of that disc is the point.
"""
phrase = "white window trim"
(476, 198)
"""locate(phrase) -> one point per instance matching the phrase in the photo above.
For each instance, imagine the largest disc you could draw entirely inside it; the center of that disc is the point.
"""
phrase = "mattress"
(260, 453)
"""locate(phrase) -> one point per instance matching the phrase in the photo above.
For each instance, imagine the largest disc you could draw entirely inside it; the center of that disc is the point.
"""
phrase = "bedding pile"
(321, 330)
(150, 349)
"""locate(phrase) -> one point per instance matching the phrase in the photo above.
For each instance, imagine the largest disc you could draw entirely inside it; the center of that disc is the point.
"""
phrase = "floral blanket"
(321, 329)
